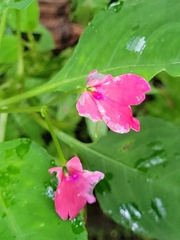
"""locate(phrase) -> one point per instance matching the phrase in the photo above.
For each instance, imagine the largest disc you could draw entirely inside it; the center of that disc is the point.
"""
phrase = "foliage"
(38, 93)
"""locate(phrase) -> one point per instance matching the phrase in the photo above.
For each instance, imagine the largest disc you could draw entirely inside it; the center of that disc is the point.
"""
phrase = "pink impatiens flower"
(75, 188)
(109, 98)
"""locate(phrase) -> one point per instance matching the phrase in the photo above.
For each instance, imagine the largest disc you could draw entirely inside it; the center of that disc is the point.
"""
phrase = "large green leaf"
(141, 188)
(143, 37)
(26, 190)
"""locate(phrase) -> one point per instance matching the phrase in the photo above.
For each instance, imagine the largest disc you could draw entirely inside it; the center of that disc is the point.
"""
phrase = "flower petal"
(118, 118)
(86, 107)
(94, 79)
(68, 201)
(84, 180)
(86, 187)
(59, 172)
(73, 165)
(127, 89)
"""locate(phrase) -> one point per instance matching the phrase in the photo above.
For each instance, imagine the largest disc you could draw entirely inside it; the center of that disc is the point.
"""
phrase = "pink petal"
(74, 164)
(94, 79)
(68, 201)
(118, 118)
(59, 172)
(127, 89)
(84, 180)
(87, 107)
(86, 187)
(75, 188)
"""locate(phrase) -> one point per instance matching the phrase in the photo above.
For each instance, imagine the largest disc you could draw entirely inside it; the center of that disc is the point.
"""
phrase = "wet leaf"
(141, 186)
(132, 39)
(26, 192)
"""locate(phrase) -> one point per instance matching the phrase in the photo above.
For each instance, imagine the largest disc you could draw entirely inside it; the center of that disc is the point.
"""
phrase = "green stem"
(3, 24)
(64, 95)
(3, 123)
(56, 142)
(25, 109)
(35, 92)
(20, 68)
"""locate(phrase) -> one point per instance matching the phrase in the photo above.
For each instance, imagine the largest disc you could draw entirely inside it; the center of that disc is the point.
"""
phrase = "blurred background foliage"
(42, 60)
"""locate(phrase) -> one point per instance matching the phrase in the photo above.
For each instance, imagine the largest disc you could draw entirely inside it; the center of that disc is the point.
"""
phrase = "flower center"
(96, 94)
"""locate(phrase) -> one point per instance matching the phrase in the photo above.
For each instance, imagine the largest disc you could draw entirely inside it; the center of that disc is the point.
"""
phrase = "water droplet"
(109, 212)
(12, 169)
(157, 209)
(91, 25)
(4, 214)
(9, 152)
(103, 186)
(130, 215)
(116, 6)
(135, 25)
(156, 146)
(4, 179)
(50, 192)
(158, 157)
(9, 198)
(77, 225)
(52, 162)
(136, 44)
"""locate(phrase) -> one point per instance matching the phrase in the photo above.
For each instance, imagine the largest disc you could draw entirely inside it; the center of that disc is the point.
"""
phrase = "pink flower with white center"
(109, 98)
(75, 188)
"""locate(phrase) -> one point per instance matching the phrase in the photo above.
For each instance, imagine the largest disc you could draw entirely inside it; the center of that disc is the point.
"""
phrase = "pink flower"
(109, 98)
(75, 188)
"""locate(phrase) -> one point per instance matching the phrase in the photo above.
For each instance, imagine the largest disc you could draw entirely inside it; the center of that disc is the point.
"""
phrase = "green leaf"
(14, 4)
(141, 185)
(21, 4)
(46, 42)
(8, 49)
(134, 39)
(166, 103)
(29, 17)
(26, 189)
(84, 10)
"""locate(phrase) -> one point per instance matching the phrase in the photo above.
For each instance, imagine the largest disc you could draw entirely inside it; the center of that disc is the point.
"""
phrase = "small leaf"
(29, 17)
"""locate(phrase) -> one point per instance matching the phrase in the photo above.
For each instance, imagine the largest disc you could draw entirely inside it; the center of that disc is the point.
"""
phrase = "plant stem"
(20, 68)
(3, 24)
(64, 95)
(56, 142)
(3, 122)
(35, 92)
(25, 109)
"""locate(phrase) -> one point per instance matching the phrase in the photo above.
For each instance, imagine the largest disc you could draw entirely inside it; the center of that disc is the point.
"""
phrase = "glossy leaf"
(141, 187)
(133, 39)
(26, 191)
